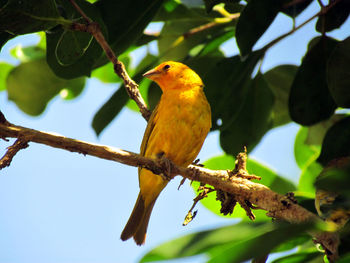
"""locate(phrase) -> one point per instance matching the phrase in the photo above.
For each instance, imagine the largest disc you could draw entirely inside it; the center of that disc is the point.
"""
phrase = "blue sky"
(57, 206)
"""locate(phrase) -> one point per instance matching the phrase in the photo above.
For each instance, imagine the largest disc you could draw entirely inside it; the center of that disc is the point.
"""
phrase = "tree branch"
(12, 151)
(131, 87)
(234, 182)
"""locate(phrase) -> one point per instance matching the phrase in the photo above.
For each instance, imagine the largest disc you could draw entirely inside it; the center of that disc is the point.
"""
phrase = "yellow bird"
(176, 130)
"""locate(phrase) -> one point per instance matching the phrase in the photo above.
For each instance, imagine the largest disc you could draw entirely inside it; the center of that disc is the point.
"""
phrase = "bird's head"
(174, 75)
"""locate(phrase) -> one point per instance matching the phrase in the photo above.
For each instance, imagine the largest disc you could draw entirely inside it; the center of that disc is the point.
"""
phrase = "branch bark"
(234, 182)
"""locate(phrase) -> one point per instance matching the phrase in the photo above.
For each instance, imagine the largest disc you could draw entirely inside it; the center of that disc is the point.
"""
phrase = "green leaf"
(304, 153)
(23, 17)
(4, 71)
(109, 110)
(336, 143)
(175, 41)
(172, 10)
(305, 156)
(292, 243)
(338, 74)
(280, 80)
(215, 42)
(64, 58)
(336, 179)
(317, 132)
(202, 242)
(224, 80)
(307, 178)
(296, 8)
(259, 244)
(106, 73)
(300, 257)
(71, 46)
(310, 100)
(334, 17)
(119, 99)
(25, 54)
(268, 178)
(254, 119)
(32, 85)
(126, 20)
(254, 20)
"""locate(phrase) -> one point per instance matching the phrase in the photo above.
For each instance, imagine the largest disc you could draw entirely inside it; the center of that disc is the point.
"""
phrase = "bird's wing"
(150, 126)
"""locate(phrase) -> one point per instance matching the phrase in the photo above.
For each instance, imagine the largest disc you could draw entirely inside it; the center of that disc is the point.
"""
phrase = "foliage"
(246, 102)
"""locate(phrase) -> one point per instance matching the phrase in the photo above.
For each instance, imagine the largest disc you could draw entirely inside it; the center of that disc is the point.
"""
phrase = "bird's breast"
(182, 124)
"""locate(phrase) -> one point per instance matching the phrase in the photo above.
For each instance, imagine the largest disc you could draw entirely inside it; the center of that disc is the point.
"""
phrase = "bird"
(176, 130)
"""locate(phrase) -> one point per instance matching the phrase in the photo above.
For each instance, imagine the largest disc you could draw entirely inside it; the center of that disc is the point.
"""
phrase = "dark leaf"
(68, 60)
(4, 37)
(224, 80)
(172, 10)
(338, 73)
(23, 17)
(280, 80)
(32, 85)
(253, 120)
(337, 180)
(294, 8)
(126, 20)
(336, 143)
(118, 100)
(109, 110)
(310, 100)
(255, 19)
(334, 17)
(71, 46)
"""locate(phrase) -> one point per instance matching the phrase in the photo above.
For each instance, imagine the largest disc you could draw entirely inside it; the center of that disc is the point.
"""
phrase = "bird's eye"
(166, 67)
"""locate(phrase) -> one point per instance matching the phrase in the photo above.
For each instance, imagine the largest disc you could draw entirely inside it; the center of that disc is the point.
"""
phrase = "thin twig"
(131, 87)
(321, 12)
(11, 152)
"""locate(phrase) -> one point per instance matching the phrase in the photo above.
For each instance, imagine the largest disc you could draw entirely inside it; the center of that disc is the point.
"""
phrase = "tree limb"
(234, 182)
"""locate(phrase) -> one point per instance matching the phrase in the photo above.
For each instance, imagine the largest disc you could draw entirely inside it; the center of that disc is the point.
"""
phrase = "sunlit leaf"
(257, 246)
(300, 257)
(4, 70)
(32, 85)
(25, 54)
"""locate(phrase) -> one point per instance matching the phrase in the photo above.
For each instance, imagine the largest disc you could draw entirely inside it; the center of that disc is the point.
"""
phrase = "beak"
(149, 74)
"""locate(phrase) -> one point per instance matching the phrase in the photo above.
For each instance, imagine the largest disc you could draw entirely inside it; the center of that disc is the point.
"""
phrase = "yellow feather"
(176, 130)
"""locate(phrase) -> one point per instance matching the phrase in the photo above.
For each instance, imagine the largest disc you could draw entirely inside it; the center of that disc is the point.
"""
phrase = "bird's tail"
(138, 222)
